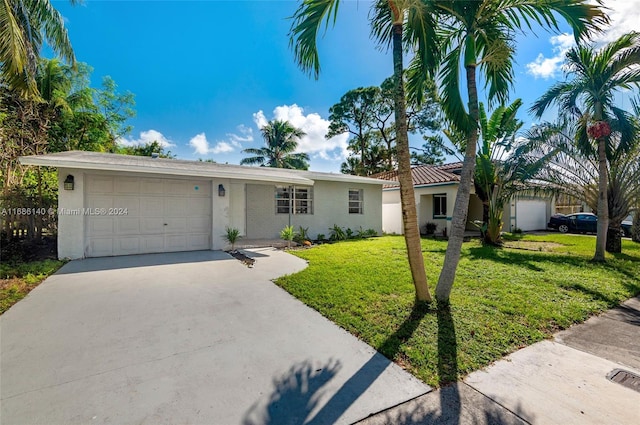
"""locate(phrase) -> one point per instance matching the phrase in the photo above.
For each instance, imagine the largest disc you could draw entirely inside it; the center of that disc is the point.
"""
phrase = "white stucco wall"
(71, 229)
(246, 206)
(330, 206)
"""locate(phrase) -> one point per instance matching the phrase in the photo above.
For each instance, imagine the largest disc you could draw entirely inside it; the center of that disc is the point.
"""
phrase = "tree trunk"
(603, 207)
(461, 207)
(407, 196)
(614, 240)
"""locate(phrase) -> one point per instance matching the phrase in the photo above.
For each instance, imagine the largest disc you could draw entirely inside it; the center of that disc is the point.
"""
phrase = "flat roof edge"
(62, 163)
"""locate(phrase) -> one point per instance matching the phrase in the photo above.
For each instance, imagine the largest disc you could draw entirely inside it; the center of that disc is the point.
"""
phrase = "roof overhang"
(154, 166)
(174, 167)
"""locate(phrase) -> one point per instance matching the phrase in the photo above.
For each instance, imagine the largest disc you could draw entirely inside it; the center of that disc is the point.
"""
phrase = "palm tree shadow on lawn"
(297, 394)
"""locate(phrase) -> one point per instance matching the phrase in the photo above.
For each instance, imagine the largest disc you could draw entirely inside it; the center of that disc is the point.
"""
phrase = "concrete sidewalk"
(560, 381)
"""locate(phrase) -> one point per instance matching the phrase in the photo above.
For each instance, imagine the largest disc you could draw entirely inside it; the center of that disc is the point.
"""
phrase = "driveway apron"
(189, 338)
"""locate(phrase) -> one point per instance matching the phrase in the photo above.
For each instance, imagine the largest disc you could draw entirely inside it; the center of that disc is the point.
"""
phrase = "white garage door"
(531, 215)
(137, 215)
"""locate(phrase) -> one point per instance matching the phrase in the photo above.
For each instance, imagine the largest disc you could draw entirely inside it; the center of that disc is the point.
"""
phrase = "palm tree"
(597, 75)
(24, 25)
(573, 172)
(282, 140)
(393, 21)
(479, 36)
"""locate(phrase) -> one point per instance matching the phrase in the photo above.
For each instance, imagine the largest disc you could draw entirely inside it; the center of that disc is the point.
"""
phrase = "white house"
(436, 188)
(111, 204)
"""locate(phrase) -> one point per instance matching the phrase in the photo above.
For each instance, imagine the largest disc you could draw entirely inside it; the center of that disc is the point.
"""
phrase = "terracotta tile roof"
(426, 174)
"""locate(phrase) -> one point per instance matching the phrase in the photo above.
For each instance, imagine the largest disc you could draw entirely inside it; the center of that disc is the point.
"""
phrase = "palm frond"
(303, 35)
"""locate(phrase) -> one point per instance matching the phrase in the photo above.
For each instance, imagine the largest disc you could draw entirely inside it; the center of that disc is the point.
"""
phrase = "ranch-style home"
(436, 187)
(111, 204)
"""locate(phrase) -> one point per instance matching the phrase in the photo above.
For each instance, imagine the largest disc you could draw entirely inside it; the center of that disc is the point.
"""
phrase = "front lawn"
(18, 279)
(503, 299)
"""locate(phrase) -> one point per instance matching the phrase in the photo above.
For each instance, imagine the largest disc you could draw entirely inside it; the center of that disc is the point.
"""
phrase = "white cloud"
(546, 68)
(148, 136)
(244, 135)
(201, 145)
(316, 128)
(625, 17)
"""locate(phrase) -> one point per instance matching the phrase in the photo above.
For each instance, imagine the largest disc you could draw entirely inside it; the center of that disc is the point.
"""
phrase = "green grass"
(17, 280)
(502, 300)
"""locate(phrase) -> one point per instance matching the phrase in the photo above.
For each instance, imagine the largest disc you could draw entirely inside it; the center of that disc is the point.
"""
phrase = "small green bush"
(288, 234)
(232, 235)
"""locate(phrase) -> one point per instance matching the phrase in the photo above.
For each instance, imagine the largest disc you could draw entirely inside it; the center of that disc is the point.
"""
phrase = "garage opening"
(138, 215)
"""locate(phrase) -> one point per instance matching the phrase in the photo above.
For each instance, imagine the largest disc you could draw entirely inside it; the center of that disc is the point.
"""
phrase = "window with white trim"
(300, 198)
(356, 201)
(440, 205)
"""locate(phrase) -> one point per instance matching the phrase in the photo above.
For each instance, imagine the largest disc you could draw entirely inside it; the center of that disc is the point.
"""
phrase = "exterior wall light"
(68, 183)
(221, 190)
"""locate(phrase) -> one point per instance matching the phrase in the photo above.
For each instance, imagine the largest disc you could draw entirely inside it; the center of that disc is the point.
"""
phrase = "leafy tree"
(589, 95)
(355, 114)
(394, 22)
(432, 152)
(367, 114)
(146, 150)
(115, 107)
(497, 174)
(480, 36)
(24, 25)
(281, 140)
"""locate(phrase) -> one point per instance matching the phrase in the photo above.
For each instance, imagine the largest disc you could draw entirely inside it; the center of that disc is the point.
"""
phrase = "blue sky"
(206, 74)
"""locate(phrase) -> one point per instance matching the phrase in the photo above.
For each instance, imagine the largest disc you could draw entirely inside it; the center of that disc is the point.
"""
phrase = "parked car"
(582, 223)
(626, 227)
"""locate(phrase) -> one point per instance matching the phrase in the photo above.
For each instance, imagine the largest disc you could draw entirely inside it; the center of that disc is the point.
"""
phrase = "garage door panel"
(100, 201)
(198, 206)
(152, 225)
(127, 226)
(151, 206)
(128, 245)
(531, 214)
(201, 189)
(127, 185)
(176, 206)
(152, 186)
(176, 243)
(198, 224)
(152, 243)
(100, 184)
(101, 247)
(176, 225)
(100, 226)
(199, 241)
(158, 215)
(131, 205)
(177, 187)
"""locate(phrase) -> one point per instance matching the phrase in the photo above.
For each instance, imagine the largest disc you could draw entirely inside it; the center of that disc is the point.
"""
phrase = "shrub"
(232, 235)
(288, 234)
(337, 233)
(302, 235)
(430, 228)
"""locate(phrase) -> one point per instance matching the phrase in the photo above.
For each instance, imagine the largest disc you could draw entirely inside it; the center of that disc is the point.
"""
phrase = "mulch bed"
(238, 255)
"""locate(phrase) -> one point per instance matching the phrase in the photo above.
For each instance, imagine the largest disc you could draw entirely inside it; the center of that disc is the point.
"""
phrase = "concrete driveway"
(189, 338)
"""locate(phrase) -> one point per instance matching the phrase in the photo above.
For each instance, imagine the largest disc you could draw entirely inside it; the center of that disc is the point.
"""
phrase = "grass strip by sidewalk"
(17, 280)
(503, 299)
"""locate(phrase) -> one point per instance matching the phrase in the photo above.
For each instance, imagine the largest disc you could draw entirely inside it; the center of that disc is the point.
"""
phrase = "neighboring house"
(436, 188)
(111, 204)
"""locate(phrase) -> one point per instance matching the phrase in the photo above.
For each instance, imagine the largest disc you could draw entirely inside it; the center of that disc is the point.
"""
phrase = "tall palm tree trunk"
(603, 208)
(461, 206)
(407, 195)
